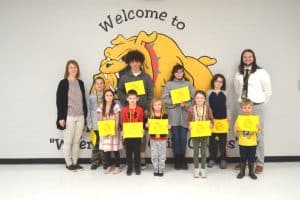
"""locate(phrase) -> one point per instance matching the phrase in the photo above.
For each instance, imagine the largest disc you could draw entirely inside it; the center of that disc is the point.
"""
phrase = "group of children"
(141, 108)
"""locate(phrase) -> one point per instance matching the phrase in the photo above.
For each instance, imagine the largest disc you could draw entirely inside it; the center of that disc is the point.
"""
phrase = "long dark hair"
(104, 102)
(242, 64)
(175, 69)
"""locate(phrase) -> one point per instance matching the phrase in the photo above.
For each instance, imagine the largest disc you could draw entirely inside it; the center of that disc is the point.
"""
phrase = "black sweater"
(62, 101)
(217, 102)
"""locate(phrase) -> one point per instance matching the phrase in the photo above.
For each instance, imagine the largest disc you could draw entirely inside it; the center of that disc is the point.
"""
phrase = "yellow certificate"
(200, 128)
(158, 126)
(138, 86)
(220, 126)
(107, 127)
(180, 95)
(133, 130)
(247, 122)
(93, 137)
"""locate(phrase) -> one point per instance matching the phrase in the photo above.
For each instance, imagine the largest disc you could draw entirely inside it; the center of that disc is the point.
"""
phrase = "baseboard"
(169, 160)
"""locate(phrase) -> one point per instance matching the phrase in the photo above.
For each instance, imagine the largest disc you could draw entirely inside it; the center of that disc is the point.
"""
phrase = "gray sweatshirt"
(144, 100)
(92, 116)
(177, 115)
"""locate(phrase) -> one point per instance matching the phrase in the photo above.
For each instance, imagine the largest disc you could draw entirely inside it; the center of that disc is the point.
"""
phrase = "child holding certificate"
(247, 140)
(177, 97)
(136, 79)
(133, 113)
(109, 110)
(218, 102)
(158, 135)
(200, 112)
(94, 101)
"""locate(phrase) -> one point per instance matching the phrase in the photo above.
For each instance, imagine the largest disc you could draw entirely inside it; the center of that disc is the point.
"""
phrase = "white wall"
(38, 37)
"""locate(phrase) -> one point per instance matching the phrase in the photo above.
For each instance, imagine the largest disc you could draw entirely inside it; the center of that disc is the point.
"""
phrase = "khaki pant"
(72, 135)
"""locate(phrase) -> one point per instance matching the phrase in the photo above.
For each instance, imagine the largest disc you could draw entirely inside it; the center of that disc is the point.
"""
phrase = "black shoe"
(128, 172)
(138, 172)
(155, 173)
(71, 168)
(94, 166)
(251, 171)
(176, 162)
(183, 164)
(160, 174)
(242, 170)
(78, 167)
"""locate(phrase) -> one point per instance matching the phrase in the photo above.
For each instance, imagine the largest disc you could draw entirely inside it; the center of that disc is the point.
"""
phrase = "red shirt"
(132, 115)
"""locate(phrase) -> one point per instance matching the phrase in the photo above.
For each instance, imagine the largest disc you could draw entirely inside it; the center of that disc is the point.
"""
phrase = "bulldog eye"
(108, 65)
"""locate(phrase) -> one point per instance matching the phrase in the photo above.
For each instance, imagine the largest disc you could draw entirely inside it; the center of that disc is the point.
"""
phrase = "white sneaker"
(196, 173)
(203, 173)
(107, 171)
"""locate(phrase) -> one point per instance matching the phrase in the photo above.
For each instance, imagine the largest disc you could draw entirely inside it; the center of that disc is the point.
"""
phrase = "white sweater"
(259, 86)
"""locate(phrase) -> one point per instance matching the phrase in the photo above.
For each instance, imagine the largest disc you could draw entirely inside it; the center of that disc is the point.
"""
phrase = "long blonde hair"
(163, 109)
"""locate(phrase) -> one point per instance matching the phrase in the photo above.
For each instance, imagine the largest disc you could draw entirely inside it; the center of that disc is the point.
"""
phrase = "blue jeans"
(179, 139)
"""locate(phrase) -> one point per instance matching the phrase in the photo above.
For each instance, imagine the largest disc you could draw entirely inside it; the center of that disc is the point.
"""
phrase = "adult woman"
(253, 82)
(71, 113)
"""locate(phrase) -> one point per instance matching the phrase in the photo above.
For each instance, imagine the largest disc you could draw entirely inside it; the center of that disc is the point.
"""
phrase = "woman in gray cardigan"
(178, 115)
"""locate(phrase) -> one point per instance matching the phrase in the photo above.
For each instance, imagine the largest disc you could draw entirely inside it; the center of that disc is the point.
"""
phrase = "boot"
(184, 164)
(242, 170)
(251, 170)
(176, 162)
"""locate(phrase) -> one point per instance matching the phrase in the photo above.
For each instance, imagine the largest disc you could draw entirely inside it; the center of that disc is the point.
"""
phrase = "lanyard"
(198, 114)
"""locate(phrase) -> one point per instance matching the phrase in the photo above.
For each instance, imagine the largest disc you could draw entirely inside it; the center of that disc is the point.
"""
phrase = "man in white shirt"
(254, 83)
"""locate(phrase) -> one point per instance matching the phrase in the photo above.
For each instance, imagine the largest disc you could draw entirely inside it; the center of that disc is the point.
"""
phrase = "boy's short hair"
(132, 92)
(134, 55)
(247, 102)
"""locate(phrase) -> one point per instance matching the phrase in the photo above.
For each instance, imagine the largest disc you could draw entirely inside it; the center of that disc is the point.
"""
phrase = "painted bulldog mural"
(161, 54)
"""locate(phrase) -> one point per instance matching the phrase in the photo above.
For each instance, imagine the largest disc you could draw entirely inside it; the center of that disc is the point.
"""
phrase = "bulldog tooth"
(107, 58)
(105, 76)
(111, 87)
(117, 75)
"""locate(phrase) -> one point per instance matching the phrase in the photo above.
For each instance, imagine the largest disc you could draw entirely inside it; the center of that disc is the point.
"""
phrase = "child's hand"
(228, 118)
(182, 104)
(237, 128)
(258, 126)
(169, 126)
(147, 125)
(62, 123)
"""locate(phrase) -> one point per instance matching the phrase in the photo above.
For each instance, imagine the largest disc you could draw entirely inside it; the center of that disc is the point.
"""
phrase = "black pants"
(96, 152)
(109, 161)
(133, 146)
(217, 142)
(247, 153)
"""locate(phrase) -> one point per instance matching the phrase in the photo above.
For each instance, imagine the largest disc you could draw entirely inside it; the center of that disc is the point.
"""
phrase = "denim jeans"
(179, 139)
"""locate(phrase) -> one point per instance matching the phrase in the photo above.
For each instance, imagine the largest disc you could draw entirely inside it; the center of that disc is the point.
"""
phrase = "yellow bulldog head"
(161, 54)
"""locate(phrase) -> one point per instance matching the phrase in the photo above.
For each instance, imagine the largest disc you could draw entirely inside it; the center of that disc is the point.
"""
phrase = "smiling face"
(218, 83)
(247, 109)
(248, 58)
(72, 71)
(99, 85)
(199, 99)
(109, 96)
(135, 66)
(157, 106)
(179, 74)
